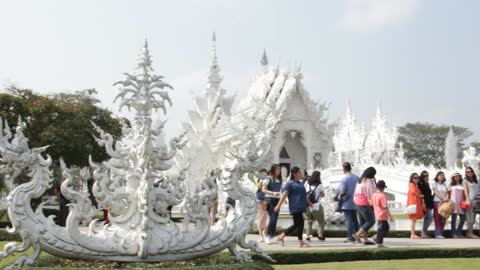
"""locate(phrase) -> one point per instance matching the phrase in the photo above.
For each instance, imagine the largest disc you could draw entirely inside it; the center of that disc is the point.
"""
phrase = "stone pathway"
(337, 243)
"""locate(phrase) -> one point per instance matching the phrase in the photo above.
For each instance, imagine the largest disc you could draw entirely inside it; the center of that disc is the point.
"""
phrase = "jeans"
(273, 217)
(382, 229)
(366, 217)
(427, 220)
(351, 222)
(298, 225)
(471, 217)
(458, 230)
(439, 221)
(316, 215)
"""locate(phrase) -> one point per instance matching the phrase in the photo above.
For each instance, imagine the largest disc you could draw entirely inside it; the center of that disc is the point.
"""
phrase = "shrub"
(314, 256)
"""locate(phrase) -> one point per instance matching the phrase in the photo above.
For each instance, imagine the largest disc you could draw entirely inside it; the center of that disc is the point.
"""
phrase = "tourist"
(382, 214)
(471, 187)
(262, 213)
(347, 189)
(272, 187)
(363, 201)
(424, 187)
(440, 194)
(315, 193)
(297, 205)
(415, 200)
(458, 195)
(213, 201)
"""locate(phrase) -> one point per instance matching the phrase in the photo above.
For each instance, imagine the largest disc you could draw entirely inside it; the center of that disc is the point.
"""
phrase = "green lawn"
(427, 264)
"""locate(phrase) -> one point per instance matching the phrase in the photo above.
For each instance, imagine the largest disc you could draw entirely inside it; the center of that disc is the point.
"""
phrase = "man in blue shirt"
(347, 187)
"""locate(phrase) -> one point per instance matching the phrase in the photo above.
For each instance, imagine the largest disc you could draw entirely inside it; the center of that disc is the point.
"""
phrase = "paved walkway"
(291, 243)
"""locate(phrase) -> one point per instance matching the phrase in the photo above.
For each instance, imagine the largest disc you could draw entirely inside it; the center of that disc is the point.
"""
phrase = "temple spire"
(214, 78)
(264, 59)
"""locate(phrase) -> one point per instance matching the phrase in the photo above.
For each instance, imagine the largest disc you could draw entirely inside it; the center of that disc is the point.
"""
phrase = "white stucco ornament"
(139, 183)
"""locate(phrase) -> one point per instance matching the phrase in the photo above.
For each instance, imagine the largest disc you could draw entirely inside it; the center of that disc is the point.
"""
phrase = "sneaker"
(321, 238)
(368, 243)
(380, 246)
(439, 237)
(308, 239)
(375, 239)
(351, 241)
(455, 236)
(268, 240)
(261, 240)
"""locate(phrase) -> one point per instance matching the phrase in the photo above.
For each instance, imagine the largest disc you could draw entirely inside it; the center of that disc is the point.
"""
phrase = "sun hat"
(446, 208)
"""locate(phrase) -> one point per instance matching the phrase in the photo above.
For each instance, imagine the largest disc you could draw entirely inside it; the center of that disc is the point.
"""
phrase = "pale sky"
(420, 58)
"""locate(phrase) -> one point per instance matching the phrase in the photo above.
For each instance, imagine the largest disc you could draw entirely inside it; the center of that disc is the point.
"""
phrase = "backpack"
(311, 194)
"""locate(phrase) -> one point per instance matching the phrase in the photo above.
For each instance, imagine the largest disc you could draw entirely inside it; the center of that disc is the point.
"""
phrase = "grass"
(419, 264)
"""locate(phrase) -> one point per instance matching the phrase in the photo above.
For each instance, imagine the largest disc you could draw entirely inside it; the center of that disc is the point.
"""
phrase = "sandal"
(357, 238)
(415, 237)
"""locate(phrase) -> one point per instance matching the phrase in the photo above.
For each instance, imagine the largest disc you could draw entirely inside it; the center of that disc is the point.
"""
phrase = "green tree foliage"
(62, 121)
(424, 143)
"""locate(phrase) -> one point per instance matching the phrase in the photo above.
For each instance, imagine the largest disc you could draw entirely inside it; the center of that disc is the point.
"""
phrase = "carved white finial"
(142, 90)
(214, 78)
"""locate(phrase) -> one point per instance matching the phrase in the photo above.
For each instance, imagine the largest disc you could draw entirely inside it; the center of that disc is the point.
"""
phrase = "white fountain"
(138, 183)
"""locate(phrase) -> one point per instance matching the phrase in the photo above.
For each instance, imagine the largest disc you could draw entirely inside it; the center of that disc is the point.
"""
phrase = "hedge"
(218, 261)
(318, 256)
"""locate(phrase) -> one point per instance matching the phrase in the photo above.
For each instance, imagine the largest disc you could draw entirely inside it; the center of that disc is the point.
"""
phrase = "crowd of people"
(363, 203)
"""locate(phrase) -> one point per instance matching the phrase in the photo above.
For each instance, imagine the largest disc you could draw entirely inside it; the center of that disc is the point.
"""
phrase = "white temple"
(277, 106)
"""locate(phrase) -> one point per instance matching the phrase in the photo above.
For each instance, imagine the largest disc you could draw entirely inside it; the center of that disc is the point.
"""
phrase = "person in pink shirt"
(382, 214)
(363, 202)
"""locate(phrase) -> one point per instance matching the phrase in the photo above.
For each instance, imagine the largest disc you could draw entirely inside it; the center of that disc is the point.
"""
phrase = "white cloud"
(374, 15)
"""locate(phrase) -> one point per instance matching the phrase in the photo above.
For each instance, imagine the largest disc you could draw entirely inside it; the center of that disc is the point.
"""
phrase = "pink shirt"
(379, 202)
(364, 191)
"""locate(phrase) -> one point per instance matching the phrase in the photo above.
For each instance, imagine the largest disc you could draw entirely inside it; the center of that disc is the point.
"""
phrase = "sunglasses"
(416, 177)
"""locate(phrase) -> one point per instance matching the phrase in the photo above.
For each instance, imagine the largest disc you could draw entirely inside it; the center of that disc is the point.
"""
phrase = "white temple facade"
(276, 112)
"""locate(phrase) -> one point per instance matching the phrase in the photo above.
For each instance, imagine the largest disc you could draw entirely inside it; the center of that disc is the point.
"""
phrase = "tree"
(62, 121)
(424, 143)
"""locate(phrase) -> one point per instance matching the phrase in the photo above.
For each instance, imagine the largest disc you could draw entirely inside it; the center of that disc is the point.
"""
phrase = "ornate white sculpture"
(470, 158)
(451, 150)
(138, 183)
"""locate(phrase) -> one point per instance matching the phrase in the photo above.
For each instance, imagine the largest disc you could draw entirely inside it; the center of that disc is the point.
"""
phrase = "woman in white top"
(440, 193)
(315, 193)
(471, 187)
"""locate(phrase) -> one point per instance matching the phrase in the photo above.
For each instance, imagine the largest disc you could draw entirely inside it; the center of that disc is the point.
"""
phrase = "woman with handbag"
(272, 187)
(262, 213)
(471, 187)
(458, 195)
(415, 204)
(363, 201)
(440, 195)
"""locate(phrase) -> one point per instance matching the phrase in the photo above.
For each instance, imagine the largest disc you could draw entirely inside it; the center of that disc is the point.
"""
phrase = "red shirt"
(379, 202)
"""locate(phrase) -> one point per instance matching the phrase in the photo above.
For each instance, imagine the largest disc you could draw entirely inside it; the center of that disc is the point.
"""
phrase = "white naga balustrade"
(139, 183)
